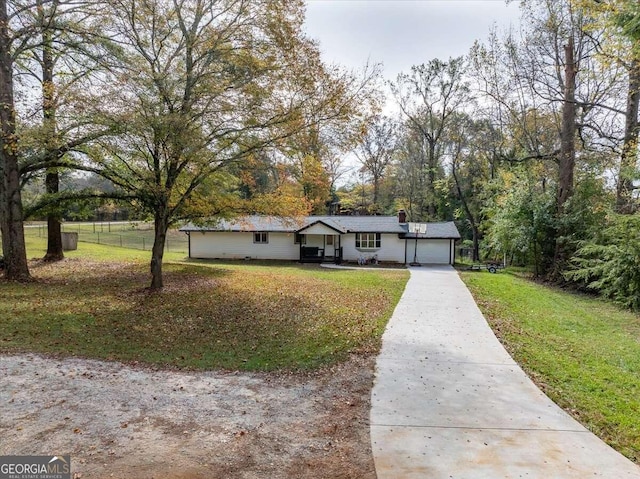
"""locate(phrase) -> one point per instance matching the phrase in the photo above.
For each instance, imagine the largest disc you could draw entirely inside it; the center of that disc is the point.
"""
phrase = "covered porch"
(320, 242)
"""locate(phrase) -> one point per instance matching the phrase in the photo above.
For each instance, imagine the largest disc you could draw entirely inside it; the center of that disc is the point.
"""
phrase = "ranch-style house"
(326, 238)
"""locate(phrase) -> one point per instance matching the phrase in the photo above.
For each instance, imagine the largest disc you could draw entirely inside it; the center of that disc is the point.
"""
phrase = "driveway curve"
(449, 402)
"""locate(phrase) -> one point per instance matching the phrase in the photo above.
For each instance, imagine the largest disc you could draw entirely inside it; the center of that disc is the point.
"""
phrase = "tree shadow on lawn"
(257, 264)
(206, 317)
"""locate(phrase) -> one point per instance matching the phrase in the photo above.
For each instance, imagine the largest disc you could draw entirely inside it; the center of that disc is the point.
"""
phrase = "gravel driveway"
(130, 421)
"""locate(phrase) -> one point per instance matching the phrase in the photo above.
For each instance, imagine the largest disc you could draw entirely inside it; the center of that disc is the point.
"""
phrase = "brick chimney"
(402, 216)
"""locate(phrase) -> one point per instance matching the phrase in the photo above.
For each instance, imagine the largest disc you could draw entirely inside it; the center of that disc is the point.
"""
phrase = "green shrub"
(610, 262)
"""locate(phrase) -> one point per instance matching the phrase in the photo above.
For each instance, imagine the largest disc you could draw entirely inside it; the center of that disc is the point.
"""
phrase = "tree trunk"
(54, 228)
(472, 220)
(566, 161)
(476, 242)
(160, 228)
(431, 175)
(11, 216)
(626, 173)
(567, 158)
(536, 259)
(52, 180)
(376, 189)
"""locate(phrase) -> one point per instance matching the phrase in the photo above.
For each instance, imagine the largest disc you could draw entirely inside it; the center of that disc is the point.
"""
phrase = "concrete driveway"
(449, 402)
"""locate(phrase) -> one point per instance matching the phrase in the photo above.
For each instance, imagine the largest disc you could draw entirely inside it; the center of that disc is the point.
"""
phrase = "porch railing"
(311, 254)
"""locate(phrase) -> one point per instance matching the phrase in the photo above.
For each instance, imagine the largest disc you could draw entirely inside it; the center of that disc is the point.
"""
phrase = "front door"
(329, 246)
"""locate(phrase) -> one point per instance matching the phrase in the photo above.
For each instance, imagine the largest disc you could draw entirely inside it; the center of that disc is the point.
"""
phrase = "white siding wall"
(391, 248)
(281, 246)
(239, 245)
(433, 251)
(315, 240)
(319, 229)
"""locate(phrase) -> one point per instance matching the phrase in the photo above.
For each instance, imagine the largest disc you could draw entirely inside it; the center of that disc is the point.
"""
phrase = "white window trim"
(377, 244)
(255, 237)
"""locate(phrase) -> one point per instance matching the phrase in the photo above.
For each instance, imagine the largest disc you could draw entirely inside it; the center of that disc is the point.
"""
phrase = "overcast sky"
(402, 33)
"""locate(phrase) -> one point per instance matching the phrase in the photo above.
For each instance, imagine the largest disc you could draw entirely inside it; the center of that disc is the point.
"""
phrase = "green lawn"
(131, 235)
(583, 352)
(235, 315)
(89, 249)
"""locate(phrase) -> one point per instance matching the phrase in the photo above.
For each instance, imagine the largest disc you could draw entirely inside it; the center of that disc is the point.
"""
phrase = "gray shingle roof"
(346, 224)
(443, 230)
(365, 224)
(253, 223)
(328, 222)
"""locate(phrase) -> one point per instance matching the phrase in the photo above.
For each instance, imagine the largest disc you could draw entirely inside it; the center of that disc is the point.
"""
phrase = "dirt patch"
(127, 421)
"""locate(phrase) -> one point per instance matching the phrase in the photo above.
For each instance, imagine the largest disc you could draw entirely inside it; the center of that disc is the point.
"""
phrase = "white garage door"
(433, 251)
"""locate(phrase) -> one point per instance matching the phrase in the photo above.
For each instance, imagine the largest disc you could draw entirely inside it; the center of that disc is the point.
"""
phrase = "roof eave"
(322, 223)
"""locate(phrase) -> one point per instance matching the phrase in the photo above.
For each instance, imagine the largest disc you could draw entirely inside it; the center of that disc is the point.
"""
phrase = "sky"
(402, 33)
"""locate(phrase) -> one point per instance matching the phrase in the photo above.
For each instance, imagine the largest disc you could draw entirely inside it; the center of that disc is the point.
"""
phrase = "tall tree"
(46, 38)
(616, 24)
(472, 161)
(567, 156)
(375, 151)
(11, 215)
(45, 19)
(520, 219)
(305, 152)
(625, 15)
(316, 152)
(66, 58)
(411, 172)
(207, 85)
(627, 171)
(550, 72)
(52, 179)
(428, 96)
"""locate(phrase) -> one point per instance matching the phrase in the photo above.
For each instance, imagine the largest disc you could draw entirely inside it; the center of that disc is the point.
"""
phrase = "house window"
(330, 240)
(300, 239)
(261, 238)
(368, 240)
